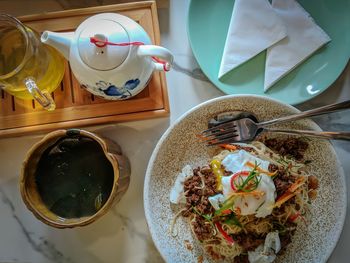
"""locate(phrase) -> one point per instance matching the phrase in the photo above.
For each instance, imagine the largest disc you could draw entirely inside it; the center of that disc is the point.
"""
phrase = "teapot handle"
(159, 52)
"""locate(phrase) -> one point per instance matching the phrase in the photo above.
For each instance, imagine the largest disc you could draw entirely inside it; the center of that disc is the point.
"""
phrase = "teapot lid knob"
(98, 55)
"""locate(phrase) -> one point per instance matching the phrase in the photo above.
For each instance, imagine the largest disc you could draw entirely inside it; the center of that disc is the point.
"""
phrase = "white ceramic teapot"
(110, 55)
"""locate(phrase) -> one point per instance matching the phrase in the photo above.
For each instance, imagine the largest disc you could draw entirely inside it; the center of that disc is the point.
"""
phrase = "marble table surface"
(122, 234)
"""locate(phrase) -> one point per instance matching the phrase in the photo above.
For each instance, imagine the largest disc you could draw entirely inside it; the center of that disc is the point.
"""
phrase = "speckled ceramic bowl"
(179, 146)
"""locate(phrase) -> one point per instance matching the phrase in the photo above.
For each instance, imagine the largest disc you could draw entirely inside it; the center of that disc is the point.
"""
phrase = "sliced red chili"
(224, 234)
(226, 212)
(233, 178)
(294, 217)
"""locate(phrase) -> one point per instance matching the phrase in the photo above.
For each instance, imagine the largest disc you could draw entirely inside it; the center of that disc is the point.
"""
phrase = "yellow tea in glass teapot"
(28, 68)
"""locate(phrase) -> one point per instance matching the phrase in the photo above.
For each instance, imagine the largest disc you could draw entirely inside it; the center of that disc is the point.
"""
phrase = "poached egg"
(260, 205)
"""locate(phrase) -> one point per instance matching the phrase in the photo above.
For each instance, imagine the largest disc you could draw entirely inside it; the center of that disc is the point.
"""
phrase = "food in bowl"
(179, 146)
(247, 202)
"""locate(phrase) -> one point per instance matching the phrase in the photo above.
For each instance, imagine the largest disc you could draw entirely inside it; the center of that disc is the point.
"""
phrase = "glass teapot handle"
(43, 97)
(158, 52)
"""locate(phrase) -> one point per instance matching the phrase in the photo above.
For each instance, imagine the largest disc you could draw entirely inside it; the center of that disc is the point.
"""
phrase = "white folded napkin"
(304, 37)
(253, 28)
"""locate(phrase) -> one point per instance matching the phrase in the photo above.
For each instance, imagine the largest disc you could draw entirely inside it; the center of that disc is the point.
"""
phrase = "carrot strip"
(291, 191)
(259, 169)
(229, 147)
(299, 182)
(284, 198)
(256, 193)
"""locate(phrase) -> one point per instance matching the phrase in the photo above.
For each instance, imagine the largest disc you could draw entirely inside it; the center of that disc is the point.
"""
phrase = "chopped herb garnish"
(279, 227)
(226, 205)
(250, 183)
(206, 217)
(260, 206)
(283, 161)
(232, 220)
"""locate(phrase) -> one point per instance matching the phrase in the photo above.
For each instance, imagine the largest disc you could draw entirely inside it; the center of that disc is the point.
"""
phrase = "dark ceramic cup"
(29, 185)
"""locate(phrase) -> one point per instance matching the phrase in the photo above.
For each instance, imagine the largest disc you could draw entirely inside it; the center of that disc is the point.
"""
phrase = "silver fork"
(246, 129)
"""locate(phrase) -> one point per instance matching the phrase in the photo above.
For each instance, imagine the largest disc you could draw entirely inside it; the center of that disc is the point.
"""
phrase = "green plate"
(208, 23)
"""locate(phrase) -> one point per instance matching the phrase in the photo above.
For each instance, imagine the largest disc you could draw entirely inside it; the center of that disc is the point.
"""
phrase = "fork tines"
(219, 134)
(219, 128)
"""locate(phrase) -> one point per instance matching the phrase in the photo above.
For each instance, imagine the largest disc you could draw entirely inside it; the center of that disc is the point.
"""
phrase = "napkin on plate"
(254, 27)
(304, 37)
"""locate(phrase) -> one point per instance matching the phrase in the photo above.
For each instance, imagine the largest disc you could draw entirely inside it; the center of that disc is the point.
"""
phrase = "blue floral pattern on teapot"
(107, 89)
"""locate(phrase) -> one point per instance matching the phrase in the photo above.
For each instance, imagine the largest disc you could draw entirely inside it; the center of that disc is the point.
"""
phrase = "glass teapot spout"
(60, 41)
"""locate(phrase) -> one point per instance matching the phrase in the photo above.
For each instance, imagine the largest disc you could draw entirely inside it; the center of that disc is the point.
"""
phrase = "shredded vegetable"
(233, 202)
(235, 176)
(229, 147)
(284, 198)
(249, 184)
(259, 169)
(224, 234)
(299, 182)
(291, 191)
(218, 172)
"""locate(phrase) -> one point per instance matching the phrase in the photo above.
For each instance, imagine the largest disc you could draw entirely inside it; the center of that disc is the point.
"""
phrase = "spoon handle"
(314, 112)
(324, 134)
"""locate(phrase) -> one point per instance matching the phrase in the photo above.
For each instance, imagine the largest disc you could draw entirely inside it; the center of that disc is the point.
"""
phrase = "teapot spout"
(60, 41)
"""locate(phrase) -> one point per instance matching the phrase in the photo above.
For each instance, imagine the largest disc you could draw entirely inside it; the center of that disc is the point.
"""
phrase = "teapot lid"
(105, 57)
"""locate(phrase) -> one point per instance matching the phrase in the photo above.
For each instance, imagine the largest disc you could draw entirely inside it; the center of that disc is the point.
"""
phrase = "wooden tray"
(76, 107)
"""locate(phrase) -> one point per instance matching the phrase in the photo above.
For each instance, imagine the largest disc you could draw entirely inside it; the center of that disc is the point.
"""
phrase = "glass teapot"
(110, 55)
(28, 69)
